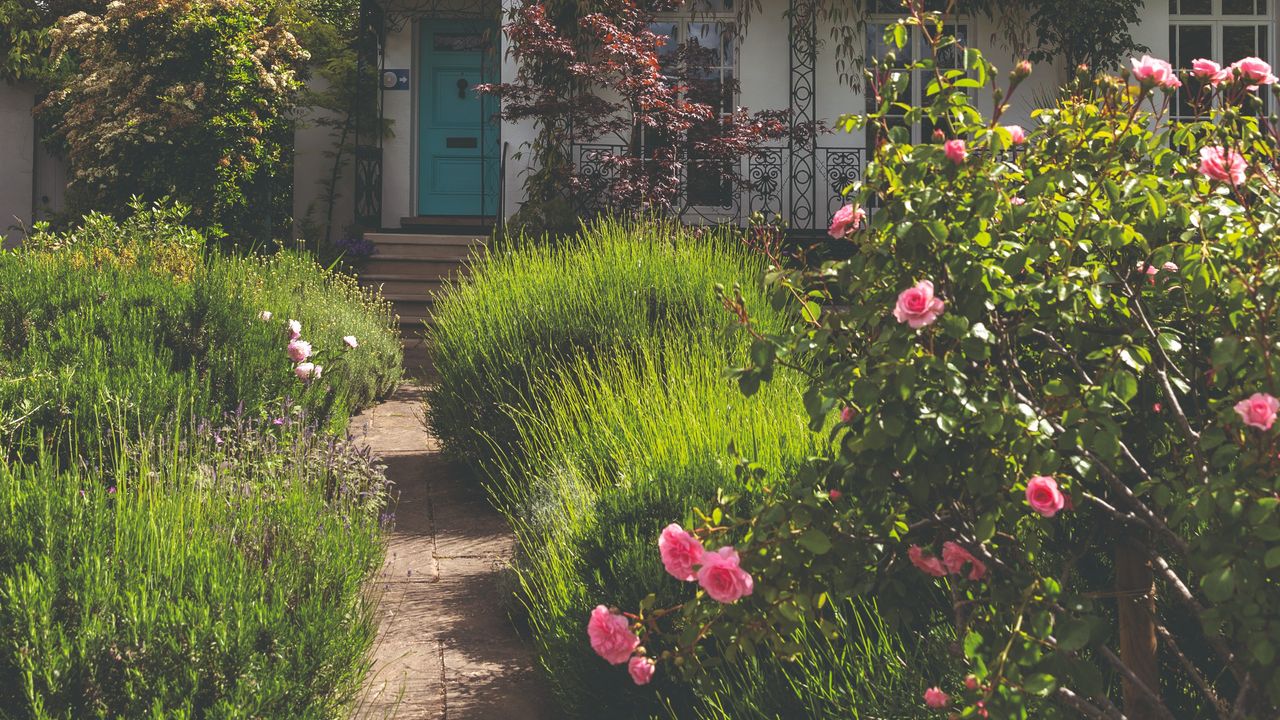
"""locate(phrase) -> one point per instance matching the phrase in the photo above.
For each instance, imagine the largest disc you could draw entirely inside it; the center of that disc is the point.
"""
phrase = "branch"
(1181, 592)
(1196, 676)
(1107, 712)
(1157, 703)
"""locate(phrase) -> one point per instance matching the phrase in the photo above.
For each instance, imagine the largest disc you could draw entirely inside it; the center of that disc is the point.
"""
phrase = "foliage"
(218, 573)
(183, 99)
(125, 325)
(525, 312)
(1090, 32)
(614, 81)
(1108, 301)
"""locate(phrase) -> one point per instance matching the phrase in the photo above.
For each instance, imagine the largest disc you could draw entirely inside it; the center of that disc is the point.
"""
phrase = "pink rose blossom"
(1209, 72)
(1219, 163)
(299, 350)
(721, 576)
(641, 669)
(680, 551)
(846, 220)
(265, 315)
(1254, 72)
(956, 151)
(955, 557)
(308, 371)
(936, 699)
(294, 329)
(970, 682)
(1169, 267)
(835, 495)
(611, 636)
(350, 340)
(927, 564)
(1016, 134)
(917, 305)
(846, 414)
(1153, 71)
(1258, 410)
(1015, 201)
(1044, 496)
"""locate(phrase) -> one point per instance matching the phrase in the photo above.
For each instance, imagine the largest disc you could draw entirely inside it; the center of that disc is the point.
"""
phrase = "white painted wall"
(310, 167)
(399, 181)
(17, 160)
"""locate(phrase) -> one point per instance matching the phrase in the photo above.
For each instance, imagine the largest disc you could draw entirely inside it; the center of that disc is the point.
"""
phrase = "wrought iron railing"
(761, 184)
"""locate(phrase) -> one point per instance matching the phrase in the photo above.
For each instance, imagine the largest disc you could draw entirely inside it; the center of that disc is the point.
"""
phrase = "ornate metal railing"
(763, 184)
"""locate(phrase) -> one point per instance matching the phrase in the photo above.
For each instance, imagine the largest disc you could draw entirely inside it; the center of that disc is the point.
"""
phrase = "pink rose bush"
(927, 564)
(917, 306)
(956, 151)
(681, 552)
(846, 220)
(1044, 496)
(611, 636)
(1210, 72)
(722, 578)
(1222, 164)
(1258, 410)
(1253, 72)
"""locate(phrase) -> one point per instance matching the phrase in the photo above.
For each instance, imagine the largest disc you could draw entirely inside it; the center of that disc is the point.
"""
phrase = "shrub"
(1059, 369)
(218, 573)
(617, 286)
(183, 99)
(126, 326)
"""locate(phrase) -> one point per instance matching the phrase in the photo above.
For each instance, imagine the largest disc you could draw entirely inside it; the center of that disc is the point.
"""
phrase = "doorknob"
(462, 88)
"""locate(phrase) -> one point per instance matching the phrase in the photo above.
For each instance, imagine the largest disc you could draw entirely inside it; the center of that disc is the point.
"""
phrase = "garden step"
(425, 247)
(411, 267)
(393, 286)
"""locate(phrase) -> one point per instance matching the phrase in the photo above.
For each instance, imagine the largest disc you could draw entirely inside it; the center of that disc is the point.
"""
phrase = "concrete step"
(425, 247)
(402, 287)
(422, 268)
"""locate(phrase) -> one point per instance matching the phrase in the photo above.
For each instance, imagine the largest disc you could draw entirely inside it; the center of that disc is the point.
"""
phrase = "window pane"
(1173, 7)
(667, 30)
(1196, 7)
(1192, 42)
(1239, 41)
(1237, 7)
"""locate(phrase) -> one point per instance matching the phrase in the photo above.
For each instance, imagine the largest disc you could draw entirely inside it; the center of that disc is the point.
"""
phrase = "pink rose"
(641, 669)
(1258, 410)
(1209, 72)
(956, 151)
(299, 350)
(1044, 496)
(846, 220)
(721, 576)
(265, 315)
(1152, 71)
(917, 306)
(350, 340)
(1169, 267)
(1015, 201)
(835, 495)
(970, 682)
(955, 558)
(308, 371)
(1219, 163)
(1254, 72)
(935, 698)
(846, 414)
(294, 329)
(611, 636)
(680, 551)
(1016, 134)
(927, 564)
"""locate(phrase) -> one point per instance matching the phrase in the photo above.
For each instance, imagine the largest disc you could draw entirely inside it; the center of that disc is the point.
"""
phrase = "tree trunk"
(1136, 603)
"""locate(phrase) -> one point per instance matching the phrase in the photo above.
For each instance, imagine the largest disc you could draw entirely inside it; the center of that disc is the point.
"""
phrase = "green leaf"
(972, 641)
(1220, 584)
(815, 541)
(1272, 558)
(1040, 684)
(1072, 634)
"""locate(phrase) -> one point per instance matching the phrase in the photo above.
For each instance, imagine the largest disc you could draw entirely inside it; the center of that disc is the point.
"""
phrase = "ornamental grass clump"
(524, 313)
(1057, 376)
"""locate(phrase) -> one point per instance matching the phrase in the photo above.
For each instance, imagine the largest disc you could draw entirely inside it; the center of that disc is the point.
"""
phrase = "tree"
(616, 81)
(182, 98)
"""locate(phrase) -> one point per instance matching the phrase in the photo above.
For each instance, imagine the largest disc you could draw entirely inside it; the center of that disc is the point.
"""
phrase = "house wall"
(17, 159)
(310, 168)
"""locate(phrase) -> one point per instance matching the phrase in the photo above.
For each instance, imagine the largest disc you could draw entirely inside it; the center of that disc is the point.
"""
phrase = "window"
(713, 45)
(916, 47)
(1219, 30)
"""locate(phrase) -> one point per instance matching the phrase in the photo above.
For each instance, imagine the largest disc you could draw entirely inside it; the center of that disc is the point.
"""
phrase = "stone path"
(445, 648)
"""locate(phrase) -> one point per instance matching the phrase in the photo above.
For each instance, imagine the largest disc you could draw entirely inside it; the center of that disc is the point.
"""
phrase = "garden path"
(446, 649)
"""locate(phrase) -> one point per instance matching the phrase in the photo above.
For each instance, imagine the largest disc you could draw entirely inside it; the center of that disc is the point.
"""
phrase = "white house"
(449, 157)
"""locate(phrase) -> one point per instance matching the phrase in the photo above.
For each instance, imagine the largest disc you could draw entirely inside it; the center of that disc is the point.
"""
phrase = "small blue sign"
(395, 79)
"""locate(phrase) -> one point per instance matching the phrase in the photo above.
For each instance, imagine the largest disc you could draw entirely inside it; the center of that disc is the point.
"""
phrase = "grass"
(615, 287)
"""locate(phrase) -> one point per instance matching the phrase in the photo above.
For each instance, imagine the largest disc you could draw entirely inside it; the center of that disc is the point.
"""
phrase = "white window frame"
(1216, 21)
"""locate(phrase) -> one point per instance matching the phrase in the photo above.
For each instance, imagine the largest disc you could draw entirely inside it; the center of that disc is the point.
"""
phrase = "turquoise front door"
(458, 161)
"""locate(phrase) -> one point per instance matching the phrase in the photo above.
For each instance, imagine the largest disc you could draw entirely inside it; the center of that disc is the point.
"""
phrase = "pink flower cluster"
(300, 351)
(717, 572)
(953, 561)
(1258, 410)
(611, 638)
(1222, 164)
(1251, 71)
(1155, 72)
(846, 220)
